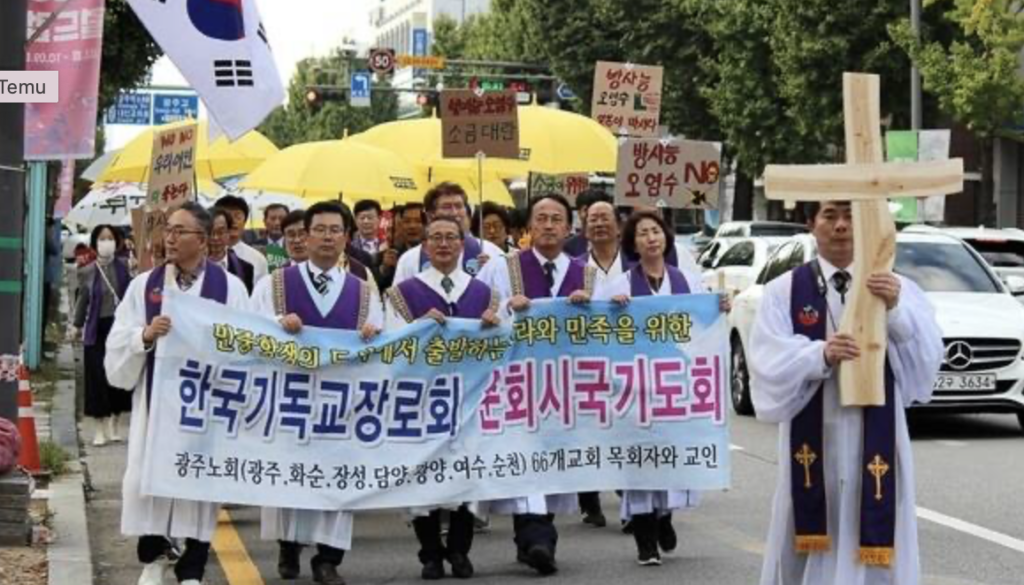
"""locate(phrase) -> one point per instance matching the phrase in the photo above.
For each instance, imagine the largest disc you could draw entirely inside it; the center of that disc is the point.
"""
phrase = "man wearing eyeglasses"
(138, 327)
(318, 294)
(440, 292)
(447, 200)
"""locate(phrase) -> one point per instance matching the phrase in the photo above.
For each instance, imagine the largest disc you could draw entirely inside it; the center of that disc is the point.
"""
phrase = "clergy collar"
(828, 269)
(458, 275)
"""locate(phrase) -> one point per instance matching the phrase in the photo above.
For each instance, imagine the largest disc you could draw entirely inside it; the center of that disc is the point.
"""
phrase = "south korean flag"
(221, 48)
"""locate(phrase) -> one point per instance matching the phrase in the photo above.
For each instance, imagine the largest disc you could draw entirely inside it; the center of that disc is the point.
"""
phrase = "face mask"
(106, 248)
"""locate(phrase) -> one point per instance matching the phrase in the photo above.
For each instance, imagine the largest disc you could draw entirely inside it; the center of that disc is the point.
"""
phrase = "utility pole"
(915, 73)
(13, 28)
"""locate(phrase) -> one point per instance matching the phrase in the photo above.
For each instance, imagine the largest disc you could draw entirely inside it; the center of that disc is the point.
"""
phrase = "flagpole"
(480, 156)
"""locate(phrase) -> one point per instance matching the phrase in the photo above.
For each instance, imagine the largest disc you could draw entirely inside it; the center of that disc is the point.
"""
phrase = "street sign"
(427, 62)
(419, 42)
(564, 93)
(359, 92)
(169, 108)
(382, 60)
(131, 108)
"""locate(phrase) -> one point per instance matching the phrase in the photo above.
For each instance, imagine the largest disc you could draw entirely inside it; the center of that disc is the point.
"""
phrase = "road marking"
(971, 529)
(951, 443)
(234, 559)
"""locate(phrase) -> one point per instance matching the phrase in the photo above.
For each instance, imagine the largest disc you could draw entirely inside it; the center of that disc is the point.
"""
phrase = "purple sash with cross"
(121, 281)
(639, 287)
(215, 288)
(809, 310)
(344, 314)
(471, 248)
(420, 298)
(535, 282)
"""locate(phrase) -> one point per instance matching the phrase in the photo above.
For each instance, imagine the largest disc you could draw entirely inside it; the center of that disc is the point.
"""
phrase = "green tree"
(976, 76)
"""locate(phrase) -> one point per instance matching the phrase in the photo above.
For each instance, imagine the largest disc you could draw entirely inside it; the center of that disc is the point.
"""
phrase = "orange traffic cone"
(29, 458)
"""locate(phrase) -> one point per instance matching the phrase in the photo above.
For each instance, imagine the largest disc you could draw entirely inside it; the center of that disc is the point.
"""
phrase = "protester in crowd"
(219, 251)
(138, 327)
(318, 294)
(519, 231)
(829, 526)
(239, 210)
(497, 223)
(272, 243)
(604, 251)
(352, 259)
(646, 235)
(53, 269)
(408, 234)
(442, 291)
(101, 287)
(577, 244)
(447, 200)
(544, 271)
(368, 213)
(294, 229)
(679, 255)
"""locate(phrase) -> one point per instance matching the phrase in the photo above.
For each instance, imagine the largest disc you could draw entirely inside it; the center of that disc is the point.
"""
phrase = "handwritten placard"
(172, 170)
(474, 123)
(569, 185)
(148, 231)
(668, 172)
(627, 98)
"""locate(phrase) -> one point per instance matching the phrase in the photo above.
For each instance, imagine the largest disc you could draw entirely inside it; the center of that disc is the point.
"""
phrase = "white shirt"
(409, 263)
(263, 296)
(252, 256)
(614, 271)
(431, 277)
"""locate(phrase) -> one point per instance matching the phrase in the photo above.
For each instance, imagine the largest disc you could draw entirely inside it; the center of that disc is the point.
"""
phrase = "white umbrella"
(111, 203)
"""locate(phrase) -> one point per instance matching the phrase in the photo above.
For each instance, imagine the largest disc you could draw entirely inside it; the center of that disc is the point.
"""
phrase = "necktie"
(320, 282)
(549, 273)
(447, 284)
(185, 280)
(841, 282)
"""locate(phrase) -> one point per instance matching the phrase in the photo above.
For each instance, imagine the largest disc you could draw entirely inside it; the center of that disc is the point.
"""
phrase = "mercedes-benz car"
(982, 324)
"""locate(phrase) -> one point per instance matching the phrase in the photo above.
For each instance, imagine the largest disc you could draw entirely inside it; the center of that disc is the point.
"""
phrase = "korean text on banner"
(474, 123)
(72, 46)
(565, 399)
(627, 98)
(668, 172)
(172, 170)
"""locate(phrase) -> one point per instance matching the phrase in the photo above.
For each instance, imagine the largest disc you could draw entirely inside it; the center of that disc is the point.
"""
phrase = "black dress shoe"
(462, 568)
(595, 519)
(667, 539)
(542, 559)
(433, 570)
(288, 557)
(327, 574)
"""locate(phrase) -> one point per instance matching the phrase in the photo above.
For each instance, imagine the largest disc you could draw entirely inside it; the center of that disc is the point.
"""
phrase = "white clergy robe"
(409, 263)
(254, 257)
(785, 370)
(333, 528)
(125, 363)
(650, 501)
(614, 271)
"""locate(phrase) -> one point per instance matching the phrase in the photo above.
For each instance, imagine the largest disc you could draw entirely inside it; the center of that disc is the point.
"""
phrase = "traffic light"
(317, 95)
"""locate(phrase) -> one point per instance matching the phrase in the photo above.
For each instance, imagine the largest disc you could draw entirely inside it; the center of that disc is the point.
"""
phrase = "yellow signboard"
(421, 62)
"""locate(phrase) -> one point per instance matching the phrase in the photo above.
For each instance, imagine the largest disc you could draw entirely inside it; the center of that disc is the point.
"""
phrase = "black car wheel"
(740, 391)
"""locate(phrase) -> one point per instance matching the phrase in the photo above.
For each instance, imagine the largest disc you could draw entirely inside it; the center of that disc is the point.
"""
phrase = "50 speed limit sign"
(382, 61)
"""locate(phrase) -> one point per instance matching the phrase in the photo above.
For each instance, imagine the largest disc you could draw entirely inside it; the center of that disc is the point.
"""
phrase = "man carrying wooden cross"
(844, 512)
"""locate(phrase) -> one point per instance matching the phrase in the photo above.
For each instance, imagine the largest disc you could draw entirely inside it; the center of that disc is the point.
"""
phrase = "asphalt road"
(970, 487)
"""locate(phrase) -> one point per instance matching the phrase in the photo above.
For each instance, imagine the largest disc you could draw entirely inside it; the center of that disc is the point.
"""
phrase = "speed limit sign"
(382, 61)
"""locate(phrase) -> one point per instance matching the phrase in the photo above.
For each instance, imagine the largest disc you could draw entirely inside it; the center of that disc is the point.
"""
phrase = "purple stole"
(92, 320)
(809, 311)
(419, 298)
(639, 287)
(242, 269)
(471, 248)
(215, 288)
(535, 283)
(346, 311)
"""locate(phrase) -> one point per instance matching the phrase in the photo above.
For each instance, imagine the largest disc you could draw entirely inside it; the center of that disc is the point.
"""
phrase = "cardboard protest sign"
(668, 173)
(148, 231)
(569, 185)
(474, 123)
(172, 170)
(627, 98)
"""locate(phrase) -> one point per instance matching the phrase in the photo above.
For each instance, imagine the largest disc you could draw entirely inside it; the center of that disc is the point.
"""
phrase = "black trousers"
(428, 532)
(535, 529)
(590, 502)
(191, 564)
(327, 555)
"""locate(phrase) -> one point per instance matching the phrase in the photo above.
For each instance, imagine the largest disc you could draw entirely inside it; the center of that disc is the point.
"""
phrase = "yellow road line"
(234, 559)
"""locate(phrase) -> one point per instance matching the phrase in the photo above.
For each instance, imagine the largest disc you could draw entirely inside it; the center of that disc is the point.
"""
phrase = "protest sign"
(569, 185)
(565, 399)
(148, 232)
(668, 172)
(172, 170)
(277, 256)
(627, 98)
(473, 123)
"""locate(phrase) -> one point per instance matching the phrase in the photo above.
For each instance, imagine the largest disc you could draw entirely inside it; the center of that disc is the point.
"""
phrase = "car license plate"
(965, 382)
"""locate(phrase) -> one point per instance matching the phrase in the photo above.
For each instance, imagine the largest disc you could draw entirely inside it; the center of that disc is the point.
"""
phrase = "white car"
(1003, 249)
(738, 268)
(982, 324)
(730, 233)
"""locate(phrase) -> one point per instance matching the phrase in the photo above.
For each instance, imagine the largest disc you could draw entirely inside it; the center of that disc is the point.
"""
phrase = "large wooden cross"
(867, 182)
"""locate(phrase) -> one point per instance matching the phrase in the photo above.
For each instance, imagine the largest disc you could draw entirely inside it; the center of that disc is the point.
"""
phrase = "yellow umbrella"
(333, 168)
(222, 159)
(550, 141)
(495, 190)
